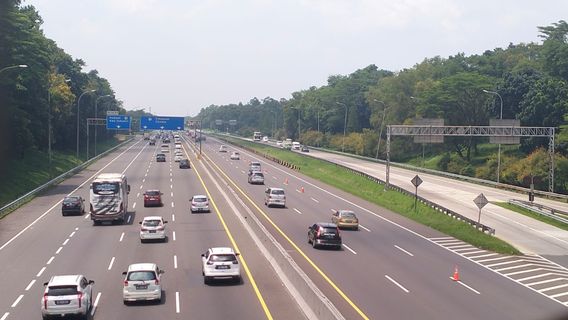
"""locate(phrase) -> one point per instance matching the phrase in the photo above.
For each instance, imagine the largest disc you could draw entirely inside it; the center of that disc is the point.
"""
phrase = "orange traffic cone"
(302, 189)
(286, 181)
(456, 276)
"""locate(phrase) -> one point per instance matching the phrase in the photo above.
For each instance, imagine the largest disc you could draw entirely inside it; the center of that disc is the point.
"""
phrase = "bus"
(109, 198)
(257, 136)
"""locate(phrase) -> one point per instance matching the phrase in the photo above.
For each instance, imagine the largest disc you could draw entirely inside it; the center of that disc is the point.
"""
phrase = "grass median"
(364, 188)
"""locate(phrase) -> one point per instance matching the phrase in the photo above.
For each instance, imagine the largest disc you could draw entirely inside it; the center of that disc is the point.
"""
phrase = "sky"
(174, 57)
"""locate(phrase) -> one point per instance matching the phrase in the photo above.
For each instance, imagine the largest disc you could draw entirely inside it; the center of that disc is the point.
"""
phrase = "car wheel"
(45, 317)
(96, 223)
(314, 245)
(142, 240)
(206, 280)
(63, 214)
(309, 241)
(125, 302)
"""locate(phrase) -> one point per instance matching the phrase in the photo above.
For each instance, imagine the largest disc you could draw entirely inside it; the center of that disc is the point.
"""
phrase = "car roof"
(142, 267)
(327, 224)
(153, 218)
(222, 250)
(272, 188)
(64, 280)
(200, 196)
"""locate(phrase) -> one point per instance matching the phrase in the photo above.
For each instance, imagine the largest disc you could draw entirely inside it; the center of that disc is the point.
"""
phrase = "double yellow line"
(234, 243)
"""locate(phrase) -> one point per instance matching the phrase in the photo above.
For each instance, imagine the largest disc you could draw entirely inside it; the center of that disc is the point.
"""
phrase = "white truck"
(109, 198)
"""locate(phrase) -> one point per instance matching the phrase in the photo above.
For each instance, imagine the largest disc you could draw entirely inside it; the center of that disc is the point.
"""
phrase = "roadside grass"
(536, 216)
(343, 179)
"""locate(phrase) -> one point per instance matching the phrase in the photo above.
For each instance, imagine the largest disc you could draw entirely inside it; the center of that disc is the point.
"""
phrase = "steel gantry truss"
(475, 131)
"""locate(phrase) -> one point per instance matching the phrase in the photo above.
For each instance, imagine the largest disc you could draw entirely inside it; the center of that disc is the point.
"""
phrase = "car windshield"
(278, 192)
(151, 223)
(141, 276)
(222, 257)
(62, 290)
(200, 199)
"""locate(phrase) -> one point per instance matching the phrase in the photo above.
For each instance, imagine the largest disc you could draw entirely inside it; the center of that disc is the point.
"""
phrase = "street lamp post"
(382, 124)
(78, 105)
(500, 117)
(344, 126)
(13, 67)
(96, 116)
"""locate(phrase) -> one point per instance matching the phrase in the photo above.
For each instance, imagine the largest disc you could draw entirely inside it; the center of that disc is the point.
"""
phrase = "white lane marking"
(40, 272)
(58, 250)
(501, 263)
(243, 171)
(172, 194)
(30, 285)
(171, 174)
(484, 255)
(111, 263)
(87, 216)
(146, 174)
(450, 240)
(298, 211)
(465, 285)
(315, 200)
(171, 186)
(76, 228)
(66, 241)
(364, 228)
(441, 238)
(173, 217)
(171, 180)
(5, 316)
(50, 260)
(174, 235)
(559, 295)
(128, 220)
(177, 302)
(140, 187)
(138, 195)
(172, 204)
(59, 202)
(353, 251)
(121, 237)
(493, 259)
(17, 301)
(143, 180)
(397, 284)
(553, 288)
(273, 177)
(175, 262)
(401, 249)
(96, 303)
(134, 205)
(458, 246)
(543, 281)
(72, 234)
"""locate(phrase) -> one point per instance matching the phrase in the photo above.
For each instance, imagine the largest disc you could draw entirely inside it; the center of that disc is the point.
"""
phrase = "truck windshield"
(105, 188)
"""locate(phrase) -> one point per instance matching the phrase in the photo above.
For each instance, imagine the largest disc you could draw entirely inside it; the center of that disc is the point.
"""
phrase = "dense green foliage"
(47, 89)
(531, 79)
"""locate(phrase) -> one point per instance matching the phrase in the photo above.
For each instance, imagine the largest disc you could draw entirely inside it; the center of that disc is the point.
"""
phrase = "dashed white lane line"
(397, 284)
(465, 285)
(347, 247)
(172, 194)
(146, 174)
(66, 241)
(173, 217)
(121, 237)
(72, 234)
(5, 316)
(174, 235)
(111, 263)
(543, 281)
(134, 205)
(315, 200)
(87, 216)
(96, 303)
(175, 262)
(17, 301)
(172, 204)
(171, 180)
(273, 177)
(553, 288)
(30, 285)
(143, 180)
(138, 195)
(128, 220)
(364, 228)
(401, 249)
(140, 187)
(243, 171)
(298, 211)
(177, 302)
(58, 250)
(50, 260)
(171, 186)
(40, 272)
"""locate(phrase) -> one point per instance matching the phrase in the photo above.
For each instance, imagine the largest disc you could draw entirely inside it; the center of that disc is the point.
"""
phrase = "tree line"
(530, 79)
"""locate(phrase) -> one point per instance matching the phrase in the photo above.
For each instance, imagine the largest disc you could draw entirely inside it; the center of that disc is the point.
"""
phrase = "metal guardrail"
(433, 205)
(547, 211)
(28, 196)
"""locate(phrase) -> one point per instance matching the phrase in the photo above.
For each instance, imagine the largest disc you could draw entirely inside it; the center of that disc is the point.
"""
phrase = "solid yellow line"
(234, 243)
(337, 289)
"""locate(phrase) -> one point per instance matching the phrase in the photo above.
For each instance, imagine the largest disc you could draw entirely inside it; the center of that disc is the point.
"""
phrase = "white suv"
(142, 282)
(152, 228)
(220, 262)
(275, 196)
(67, 295)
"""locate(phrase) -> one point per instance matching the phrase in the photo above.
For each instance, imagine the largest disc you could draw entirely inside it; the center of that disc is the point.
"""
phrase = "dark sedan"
(73, 205)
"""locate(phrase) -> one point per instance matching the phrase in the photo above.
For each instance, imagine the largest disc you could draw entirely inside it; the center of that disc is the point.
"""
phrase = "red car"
(152, 198)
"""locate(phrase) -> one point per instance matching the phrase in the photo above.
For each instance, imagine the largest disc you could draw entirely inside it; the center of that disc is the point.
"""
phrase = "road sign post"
(480, 201)
(416, 181)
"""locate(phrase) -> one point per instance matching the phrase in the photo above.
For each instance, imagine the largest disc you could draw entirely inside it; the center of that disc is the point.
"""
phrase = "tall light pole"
(13, 67)
(382, 124)
(344, 126)
(96, 116)
(78, 106)
(500, 117)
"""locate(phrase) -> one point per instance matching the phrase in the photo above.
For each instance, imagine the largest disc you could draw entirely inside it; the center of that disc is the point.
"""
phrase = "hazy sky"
(177, 56)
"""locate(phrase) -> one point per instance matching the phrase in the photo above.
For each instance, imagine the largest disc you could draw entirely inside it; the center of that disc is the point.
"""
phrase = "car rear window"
(141, 276)
(222, 257)
(259, 174)
(153, 193)
(62, 290)
(71, 200)
(152, 223)
(329, 230)
(348, 215)
(278, 192)
(200, 199)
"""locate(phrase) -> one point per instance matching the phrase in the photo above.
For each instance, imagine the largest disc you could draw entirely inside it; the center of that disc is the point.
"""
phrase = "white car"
(142, 283)
(265, 139)
(279, 144)
(223, 148)
(235, 156)
(199, 203)
(220, 262)
(178, 158)
(153, 228)
(67, 295)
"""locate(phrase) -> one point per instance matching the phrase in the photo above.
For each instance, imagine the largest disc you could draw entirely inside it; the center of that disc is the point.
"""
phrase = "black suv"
(324, 234)
(184, 164)
(73, 204)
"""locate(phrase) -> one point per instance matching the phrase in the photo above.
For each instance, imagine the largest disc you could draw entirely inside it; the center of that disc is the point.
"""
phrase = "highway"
(392, 268)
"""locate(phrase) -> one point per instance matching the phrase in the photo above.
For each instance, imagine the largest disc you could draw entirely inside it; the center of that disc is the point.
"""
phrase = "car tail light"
(45, 300)
(157, 281)
(143, 229)
(126, 283)
(80, 298)
(318, 233)
(160, 228)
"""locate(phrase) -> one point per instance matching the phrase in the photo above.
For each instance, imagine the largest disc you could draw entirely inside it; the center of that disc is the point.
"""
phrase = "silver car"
(199, 203)
(275, 196)
(67, 295)
(153, 228)
(256, 177)
(142, 282)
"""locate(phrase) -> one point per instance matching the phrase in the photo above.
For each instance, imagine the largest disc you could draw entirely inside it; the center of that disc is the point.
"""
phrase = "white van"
(296, 145)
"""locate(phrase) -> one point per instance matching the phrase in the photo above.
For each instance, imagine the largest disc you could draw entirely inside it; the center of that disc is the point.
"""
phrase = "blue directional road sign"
(118, 122)
(161, 123)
